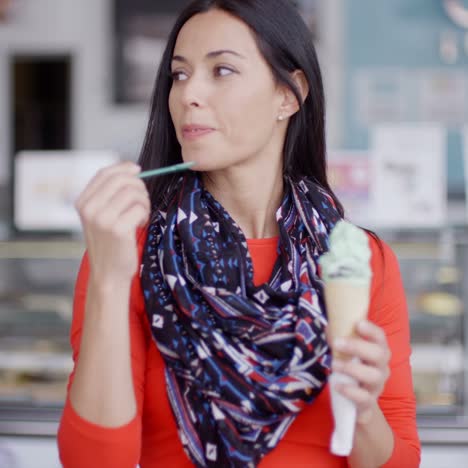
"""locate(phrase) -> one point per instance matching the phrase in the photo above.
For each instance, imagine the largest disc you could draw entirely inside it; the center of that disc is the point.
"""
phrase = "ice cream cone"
(347, 274)
(347, 304)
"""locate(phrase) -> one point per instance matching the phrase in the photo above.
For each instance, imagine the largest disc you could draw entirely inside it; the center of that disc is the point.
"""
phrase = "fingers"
(126, 210)
(102, 176)
(366, 359)
(365, 402)
(110, 194)
(138, 216)
(370, 346)
(358, 395)
(369, 377)
(112, 200)
(127, 223)
(370, 331)
(112, 206)
(370, 353)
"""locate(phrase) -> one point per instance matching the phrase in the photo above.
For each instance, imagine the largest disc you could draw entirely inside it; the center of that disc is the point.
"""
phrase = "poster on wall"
(409, 174)
(443, 96)
(402, 95)
(141, 29)
(47, 184)
(349, 174)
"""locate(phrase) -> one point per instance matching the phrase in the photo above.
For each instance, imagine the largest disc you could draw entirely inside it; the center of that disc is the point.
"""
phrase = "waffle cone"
(347, 304)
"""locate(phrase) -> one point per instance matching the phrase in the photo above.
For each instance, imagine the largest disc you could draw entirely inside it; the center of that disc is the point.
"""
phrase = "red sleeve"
(388, 309)
(81, 443)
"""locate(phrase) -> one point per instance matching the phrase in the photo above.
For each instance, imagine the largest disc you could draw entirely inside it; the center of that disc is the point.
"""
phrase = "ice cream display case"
(36, 296)
(434, 268)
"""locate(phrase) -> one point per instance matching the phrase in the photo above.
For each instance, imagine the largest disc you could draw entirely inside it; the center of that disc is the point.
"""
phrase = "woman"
(192, 351)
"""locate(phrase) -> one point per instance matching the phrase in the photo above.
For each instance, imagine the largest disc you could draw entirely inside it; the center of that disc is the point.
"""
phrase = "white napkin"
(344, 415)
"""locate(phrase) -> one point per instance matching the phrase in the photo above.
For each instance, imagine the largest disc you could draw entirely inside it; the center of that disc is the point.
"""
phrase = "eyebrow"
(210, 55)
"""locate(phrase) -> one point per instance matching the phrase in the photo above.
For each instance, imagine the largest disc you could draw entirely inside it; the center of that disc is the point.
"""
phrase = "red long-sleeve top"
(151, 439)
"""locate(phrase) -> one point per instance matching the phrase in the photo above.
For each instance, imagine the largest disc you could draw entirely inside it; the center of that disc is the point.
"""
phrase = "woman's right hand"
(111, 208)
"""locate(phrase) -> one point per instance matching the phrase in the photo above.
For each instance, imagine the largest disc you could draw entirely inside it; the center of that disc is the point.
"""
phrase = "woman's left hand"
(370, 371)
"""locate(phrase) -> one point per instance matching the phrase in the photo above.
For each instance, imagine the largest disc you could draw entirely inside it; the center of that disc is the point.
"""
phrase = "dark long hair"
(285, 42)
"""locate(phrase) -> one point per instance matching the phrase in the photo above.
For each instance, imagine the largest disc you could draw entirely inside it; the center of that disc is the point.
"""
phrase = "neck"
(251, 197)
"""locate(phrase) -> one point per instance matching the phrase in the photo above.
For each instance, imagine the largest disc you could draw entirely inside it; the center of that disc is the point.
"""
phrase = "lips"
(195, 130)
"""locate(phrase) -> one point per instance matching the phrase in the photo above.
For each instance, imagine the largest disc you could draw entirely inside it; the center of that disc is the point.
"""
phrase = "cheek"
(250, 117)
(171, 103)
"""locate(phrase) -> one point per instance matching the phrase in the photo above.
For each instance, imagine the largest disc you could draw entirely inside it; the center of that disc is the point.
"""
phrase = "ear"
(290, 105)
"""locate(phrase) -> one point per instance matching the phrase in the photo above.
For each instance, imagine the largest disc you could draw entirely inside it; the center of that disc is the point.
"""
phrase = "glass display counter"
(434, 268)
(36, 296)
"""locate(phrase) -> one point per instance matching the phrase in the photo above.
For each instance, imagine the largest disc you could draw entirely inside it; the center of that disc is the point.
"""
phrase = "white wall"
(330, 53)
(83, 29)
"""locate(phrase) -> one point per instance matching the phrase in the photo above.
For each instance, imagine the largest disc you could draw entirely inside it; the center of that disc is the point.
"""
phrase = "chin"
(203, 162)
(209, 158)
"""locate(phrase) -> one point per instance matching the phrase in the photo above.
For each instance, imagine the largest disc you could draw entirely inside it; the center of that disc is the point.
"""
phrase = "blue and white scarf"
(241, 360)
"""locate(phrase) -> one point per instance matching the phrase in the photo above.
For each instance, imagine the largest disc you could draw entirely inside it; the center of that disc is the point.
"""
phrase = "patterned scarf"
(241, 361)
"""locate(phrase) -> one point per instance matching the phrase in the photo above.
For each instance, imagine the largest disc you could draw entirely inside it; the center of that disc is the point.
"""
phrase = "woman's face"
(224, 102)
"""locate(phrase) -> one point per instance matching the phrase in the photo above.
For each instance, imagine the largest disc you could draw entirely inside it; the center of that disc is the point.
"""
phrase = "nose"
(194, 92)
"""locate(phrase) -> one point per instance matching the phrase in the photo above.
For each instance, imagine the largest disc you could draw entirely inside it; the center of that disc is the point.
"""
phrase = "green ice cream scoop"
(349, 255)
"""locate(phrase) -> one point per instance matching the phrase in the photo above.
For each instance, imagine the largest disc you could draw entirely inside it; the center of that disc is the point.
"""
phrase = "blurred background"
(75, 81)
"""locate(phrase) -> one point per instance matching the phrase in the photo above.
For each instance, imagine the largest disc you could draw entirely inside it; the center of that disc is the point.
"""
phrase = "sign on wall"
(409, 175)
(47, 184)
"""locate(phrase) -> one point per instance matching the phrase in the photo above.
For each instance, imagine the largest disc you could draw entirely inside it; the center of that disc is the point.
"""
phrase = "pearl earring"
(280, 117)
